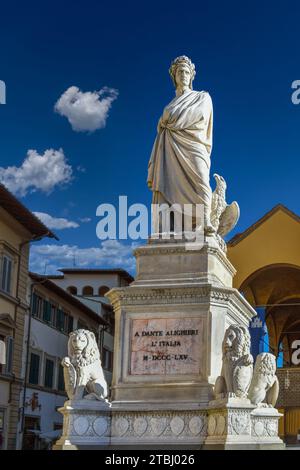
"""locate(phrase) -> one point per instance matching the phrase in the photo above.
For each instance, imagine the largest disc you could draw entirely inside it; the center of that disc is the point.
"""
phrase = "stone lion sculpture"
(83, 373)
(237, 367)
(264, 388)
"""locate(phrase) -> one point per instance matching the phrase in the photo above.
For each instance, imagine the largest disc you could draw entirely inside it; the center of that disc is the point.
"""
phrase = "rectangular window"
(49, 371)
(47, 311)
(60, 379)
(53, 314)
(69, 321)
(81, 326)
(37, 305)
(6, 354)
(6, 273)
(34, 370)
(60, 319)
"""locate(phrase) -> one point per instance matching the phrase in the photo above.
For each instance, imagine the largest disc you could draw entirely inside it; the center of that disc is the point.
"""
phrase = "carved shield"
(70, 378)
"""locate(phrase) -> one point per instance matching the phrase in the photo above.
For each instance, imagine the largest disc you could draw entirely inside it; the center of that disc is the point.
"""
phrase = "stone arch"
(87, 290)
(276, 288)
(103, 290)
(72, 290)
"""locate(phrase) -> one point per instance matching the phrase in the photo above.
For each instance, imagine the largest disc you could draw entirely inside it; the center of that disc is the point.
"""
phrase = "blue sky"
(246, 56)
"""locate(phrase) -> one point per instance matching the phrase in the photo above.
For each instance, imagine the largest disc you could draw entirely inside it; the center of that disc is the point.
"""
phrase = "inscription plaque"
(166, 346)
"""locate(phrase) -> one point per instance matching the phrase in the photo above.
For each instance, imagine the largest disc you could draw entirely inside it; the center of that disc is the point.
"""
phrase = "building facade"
(90, 287)
(267, 259)
(18, 227)
(53, 314)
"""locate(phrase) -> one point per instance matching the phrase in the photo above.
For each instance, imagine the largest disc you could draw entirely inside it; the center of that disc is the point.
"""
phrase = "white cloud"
(37, 172)
(57, 223)
(46, 259)
(86, 111)
(85, 220)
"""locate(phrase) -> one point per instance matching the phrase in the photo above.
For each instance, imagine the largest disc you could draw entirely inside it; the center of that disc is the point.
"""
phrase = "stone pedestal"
(87, 424)
(159, 426)
(170, 324)
(236, 424)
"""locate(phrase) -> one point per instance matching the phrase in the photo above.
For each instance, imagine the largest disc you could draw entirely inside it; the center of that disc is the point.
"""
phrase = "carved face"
(229, 340)
(236, 341)
(79, 342)
(183, 76)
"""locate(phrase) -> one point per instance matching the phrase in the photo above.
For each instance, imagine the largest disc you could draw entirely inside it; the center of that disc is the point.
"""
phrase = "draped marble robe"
(179, 166)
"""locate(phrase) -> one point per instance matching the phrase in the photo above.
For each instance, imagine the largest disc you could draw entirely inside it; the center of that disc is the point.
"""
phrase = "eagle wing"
(229, 218)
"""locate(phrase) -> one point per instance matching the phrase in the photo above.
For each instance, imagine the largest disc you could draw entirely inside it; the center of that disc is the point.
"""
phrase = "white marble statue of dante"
(179, 166)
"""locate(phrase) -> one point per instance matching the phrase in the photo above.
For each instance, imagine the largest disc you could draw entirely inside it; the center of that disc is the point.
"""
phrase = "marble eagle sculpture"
(223, 216)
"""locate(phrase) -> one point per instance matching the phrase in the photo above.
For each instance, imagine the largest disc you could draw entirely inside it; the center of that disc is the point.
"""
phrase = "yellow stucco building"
(267, 259)
(18, 227)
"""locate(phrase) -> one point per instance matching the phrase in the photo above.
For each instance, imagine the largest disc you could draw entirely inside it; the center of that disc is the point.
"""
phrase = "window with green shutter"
(34, 305)
(54, 311)
(9, 354)
(34, 369)
(60, 320)
(37, 307)
(47, 312)
(81, 326)
(69, 324)
(60, 379)
(6, 273)
(49, 370)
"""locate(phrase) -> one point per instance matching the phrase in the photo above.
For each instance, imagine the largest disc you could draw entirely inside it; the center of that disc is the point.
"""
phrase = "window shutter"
(49, 369)
(60, 319)
(8, 274)
(9, 354)
(6, 270)
(70, 324)
(47, 311)
(34, 369)
(2, 352)
(3, 271)
(34, 305)
(61, 381)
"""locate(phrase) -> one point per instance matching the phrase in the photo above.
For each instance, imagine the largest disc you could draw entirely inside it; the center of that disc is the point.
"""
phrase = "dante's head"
(183, 72)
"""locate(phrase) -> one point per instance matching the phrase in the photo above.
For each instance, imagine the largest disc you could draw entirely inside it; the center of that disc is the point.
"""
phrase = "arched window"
(87, 290)
(103, 290)
(72, 290)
